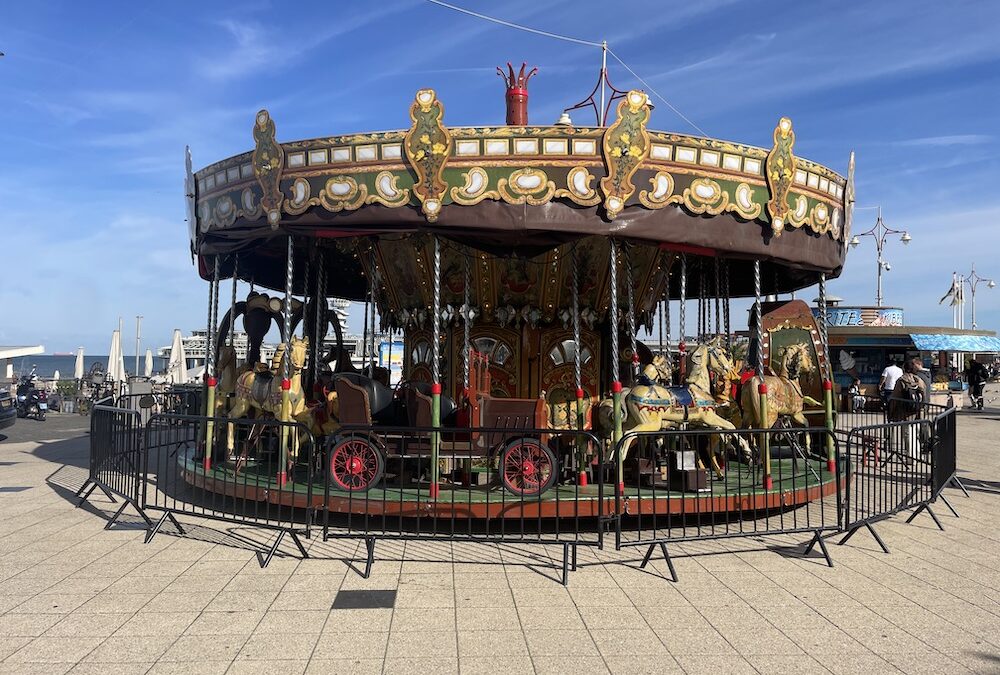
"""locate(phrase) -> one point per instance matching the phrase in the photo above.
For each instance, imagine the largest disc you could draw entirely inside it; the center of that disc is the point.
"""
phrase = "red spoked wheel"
(356, 464)
(527, 468)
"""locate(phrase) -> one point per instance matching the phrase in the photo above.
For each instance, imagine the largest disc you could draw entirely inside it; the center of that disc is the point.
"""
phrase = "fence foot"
(110, 496)
(370, 546)
(274, 547)
(954, 481)
(298, 542)
(927, 508)
(874, 534)
(666, 557)
(118, 513)
(948, 504)
(565, 565)
(156, 528)
(85, 492)
(818, 539)
(173, 520)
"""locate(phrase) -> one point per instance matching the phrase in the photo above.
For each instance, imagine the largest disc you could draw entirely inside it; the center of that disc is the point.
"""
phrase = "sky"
(100, 99)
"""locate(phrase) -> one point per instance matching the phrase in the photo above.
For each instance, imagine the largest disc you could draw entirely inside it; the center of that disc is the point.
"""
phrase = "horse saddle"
(260, 391)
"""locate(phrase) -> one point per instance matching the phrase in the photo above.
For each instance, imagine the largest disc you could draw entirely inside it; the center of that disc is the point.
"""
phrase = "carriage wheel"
(356, 464)
(527, 468)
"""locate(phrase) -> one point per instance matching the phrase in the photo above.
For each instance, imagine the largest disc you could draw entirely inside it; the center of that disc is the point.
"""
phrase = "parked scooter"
(31, 401)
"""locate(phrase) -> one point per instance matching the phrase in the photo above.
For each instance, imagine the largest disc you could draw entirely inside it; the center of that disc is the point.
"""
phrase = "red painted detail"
(827, 385)
(746, 376)
(526, 468)
(583, 482)
(434, 490)
(212, 381)
(762, 387)
(579, 393)
(768, 483)
(465, 392)
(436, 388)
(282, 478)
(831, 465)
(687, 248)
(286, 385)
(517, 91)
(635, 358)
(207, 464)
(616, 387)
(681, 347)
(621, 488)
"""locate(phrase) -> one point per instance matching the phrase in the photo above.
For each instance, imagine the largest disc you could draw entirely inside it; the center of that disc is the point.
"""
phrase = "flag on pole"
(954, 292)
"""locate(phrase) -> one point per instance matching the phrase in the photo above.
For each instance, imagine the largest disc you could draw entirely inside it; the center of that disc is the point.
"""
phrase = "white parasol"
(116, 359)
(148, 367)
(177, 365)
(78, 368)
(55, 376)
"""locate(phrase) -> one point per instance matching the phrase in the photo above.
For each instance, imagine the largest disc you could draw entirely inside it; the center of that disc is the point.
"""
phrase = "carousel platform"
(741, 493)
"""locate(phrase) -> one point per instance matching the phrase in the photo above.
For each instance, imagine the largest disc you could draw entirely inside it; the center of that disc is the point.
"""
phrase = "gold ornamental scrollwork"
(529, 186)
(342, 193)
(798, 215)
(780, 168)
(705, 196)
(300, 199)
(251, 209)
(578, 187)
(662, 192)
(225, 211)
(268, 161)
(475, 189)
(743, 203)
(428, 145)
(625, 146)
(387, 192)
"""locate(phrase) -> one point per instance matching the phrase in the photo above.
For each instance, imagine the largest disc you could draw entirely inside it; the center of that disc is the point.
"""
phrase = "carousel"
(520, 266)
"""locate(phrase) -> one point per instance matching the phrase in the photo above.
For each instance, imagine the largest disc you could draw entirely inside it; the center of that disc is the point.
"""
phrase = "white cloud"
(941, 141)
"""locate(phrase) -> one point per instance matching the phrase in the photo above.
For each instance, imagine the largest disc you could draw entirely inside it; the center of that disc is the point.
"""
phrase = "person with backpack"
(905, 403)
(977, 376)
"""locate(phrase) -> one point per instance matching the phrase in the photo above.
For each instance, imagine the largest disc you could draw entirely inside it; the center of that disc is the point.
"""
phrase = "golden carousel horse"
(784, 393)
(260, 390)
(650, 406)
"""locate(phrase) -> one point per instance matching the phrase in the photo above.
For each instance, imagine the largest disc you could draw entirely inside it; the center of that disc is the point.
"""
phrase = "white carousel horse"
(650, 406)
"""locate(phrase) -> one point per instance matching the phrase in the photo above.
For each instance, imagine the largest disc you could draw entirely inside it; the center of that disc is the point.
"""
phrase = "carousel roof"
(526, 190)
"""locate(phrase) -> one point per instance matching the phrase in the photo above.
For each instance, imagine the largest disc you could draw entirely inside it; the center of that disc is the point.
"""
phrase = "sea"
(47, 364)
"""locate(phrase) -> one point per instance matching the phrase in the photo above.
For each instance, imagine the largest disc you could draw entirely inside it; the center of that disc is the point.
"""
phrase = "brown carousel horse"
(784, 393)
(225, 366)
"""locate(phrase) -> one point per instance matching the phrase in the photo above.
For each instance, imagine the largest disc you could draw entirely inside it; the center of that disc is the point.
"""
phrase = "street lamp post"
(880, 232)
(974, 280)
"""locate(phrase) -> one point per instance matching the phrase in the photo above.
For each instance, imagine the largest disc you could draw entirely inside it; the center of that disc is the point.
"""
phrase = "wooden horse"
(225, 365)
(261, 391)
(650, 406)
(784, 393)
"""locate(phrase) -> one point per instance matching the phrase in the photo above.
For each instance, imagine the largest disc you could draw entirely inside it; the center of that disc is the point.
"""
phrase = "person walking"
(857, 398)
(906, 403)
(887, 383)
(976, 375)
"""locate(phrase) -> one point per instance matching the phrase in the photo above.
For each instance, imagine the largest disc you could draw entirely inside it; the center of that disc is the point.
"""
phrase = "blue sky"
(99, 100)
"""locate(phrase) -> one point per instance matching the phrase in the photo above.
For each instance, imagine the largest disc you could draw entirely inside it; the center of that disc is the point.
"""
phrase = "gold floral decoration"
(780, 168)
(625, 146)
(578, 187)
(428, 145)
(268, 160)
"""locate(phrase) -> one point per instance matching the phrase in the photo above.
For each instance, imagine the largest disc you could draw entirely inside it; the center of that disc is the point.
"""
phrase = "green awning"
(955, 343)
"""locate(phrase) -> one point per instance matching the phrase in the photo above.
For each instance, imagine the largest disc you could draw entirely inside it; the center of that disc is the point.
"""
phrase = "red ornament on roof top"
(517, 94)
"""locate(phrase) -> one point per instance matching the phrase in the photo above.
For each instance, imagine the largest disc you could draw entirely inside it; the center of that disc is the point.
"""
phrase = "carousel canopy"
(531, 193)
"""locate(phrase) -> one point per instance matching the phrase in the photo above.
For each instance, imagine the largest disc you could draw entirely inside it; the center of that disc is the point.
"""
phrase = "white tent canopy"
(148, 366)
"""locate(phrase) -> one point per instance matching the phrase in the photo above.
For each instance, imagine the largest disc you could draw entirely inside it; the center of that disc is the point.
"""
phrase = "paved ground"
(76, 598)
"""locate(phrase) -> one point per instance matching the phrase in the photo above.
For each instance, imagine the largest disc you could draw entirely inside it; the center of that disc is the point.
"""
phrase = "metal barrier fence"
(182, 401)
(251, 484)
(484, 484)
(677, 485)
(898, 466)
(115, 458)
(505, 485)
